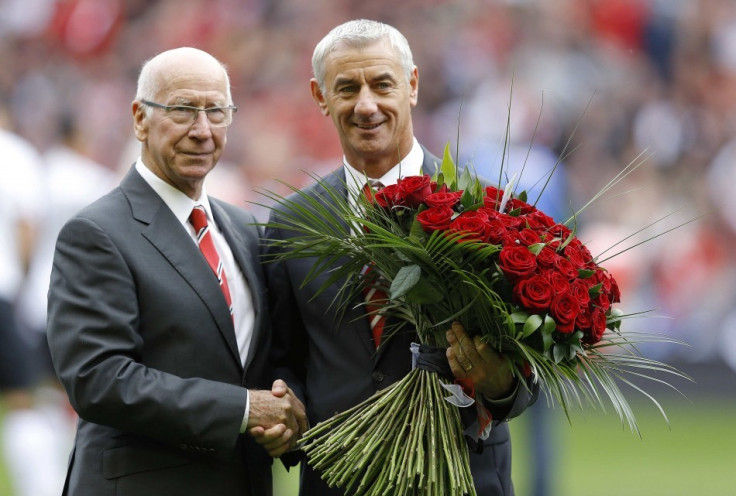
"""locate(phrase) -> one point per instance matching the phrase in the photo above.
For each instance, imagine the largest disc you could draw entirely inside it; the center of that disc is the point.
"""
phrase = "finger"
(263, 435)
(279, 388)
(457, 370)
(466, 344)
(454, 337)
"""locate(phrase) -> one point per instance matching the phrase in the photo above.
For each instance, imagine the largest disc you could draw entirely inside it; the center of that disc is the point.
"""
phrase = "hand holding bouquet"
(445, 249)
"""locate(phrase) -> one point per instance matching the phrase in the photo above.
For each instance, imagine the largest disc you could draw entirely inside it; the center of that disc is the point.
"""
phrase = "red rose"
(510, 221)
(584, 321)
(523, 207)
(579, 290)
(576, 255)
(414, 189)
(602, 301)
(534, 294)
(557, 280)
(565, 309)
(598, 327)
(441, 189)
(492, 197)
(563, 265)
(435, 218)
(472, 225)
(388, 196)
(448, 199)
(475, 214)
(517, 262)
(539, 220)
(560, 231)
(615, 293)
(528, 237)
(546, 258)
(496, 231)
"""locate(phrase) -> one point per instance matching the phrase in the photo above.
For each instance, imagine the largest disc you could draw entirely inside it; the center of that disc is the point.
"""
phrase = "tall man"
(157, 315)
(366, 82)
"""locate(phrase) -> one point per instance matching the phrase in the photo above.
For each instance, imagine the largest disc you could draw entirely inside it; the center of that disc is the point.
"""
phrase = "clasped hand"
(471, 358)
(277, 418)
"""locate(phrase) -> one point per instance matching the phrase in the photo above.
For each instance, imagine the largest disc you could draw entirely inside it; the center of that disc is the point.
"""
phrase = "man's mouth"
(368, 126)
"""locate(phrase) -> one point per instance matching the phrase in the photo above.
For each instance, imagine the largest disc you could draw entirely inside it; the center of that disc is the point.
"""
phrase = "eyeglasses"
(185, 114)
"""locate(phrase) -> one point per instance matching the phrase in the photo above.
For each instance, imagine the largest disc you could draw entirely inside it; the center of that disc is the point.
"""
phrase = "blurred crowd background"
(598, 84)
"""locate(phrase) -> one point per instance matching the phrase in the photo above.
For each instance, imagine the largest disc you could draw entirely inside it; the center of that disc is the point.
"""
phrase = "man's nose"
(366, 103)
(201, 126)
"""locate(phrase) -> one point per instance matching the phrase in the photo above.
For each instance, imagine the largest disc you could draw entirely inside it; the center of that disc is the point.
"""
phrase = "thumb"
(279, 388)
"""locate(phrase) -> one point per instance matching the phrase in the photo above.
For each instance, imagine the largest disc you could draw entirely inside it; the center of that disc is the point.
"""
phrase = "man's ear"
(318, 97)
(140, 121)
(414, 86)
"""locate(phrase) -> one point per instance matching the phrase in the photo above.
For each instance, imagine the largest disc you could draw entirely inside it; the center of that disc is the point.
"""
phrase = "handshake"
(277, 418)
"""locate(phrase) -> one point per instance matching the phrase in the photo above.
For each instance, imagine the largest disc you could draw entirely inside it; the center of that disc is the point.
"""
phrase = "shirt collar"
(179, 203)
(411, 165)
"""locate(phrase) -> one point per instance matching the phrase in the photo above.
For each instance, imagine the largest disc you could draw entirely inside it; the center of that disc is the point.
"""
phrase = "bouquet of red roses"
(449, 248)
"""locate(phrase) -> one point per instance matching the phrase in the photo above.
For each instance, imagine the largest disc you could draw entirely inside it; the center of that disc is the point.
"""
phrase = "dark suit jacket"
(333, 365)
(143, 342)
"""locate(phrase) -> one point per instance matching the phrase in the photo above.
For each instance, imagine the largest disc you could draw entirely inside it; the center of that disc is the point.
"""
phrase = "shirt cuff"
(246, 414)
(505, 401)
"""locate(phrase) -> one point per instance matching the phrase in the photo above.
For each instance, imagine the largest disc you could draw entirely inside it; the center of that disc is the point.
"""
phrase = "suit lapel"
(246, 260)
(165, 232)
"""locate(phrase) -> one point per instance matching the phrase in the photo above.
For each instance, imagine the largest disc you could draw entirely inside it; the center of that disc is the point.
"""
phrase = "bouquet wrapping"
(451, 248)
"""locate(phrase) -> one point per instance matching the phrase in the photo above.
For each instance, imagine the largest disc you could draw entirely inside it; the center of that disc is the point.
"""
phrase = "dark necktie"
(374, 297)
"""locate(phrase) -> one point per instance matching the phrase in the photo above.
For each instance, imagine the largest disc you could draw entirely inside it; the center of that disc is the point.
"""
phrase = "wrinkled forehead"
(347, 60)
(191, 72)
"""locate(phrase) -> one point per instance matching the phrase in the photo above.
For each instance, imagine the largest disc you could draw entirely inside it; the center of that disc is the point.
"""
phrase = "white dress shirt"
(411, 165)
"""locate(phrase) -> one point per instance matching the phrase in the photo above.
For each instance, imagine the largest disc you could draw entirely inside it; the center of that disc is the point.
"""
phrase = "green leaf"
(425, 292)
(594, 291)
(515, 212)
(532, 323)
(406, 278)
(560, 352)
(465, 182)
(416, 231)
(549, 325)
(448, 168)
(536, 248)
(585, 273)
(547, 341)
(519, 317)
(467, 200)
(522, 196)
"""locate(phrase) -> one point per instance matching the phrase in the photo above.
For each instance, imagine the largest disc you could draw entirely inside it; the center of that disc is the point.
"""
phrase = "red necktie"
(374, 297)
(198, 218)
(374, 301)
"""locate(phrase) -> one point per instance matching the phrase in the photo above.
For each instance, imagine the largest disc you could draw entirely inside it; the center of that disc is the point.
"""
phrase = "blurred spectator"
(26, 432)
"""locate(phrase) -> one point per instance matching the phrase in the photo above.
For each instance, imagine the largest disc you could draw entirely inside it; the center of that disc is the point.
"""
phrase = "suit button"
(377, 376)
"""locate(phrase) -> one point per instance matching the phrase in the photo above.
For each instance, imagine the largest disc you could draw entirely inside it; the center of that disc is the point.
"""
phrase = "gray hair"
(360, 33)
(149, 79)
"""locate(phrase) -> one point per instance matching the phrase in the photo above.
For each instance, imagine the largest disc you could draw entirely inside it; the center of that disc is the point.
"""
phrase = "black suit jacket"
(333, 365)
(143, 342)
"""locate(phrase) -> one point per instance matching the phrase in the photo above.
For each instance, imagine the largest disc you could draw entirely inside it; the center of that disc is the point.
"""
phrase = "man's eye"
(180, 111)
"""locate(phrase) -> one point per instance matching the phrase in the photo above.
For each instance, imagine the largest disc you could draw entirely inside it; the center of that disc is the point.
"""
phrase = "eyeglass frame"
(194, 111)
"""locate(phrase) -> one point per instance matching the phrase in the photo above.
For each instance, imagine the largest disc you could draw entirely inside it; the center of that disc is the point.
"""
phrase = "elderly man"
(366, 82)
(157, 315)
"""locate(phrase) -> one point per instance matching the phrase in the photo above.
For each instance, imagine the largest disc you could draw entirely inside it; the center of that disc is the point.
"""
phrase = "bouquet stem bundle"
(405, 439)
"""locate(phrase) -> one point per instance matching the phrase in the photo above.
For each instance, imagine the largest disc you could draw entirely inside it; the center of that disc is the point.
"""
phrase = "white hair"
(360, 33)
(152, 73)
